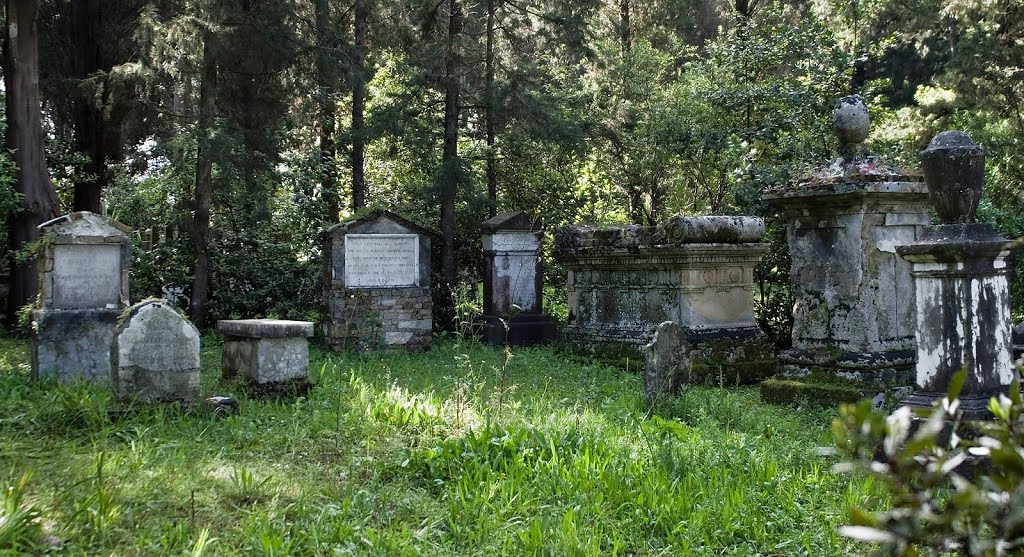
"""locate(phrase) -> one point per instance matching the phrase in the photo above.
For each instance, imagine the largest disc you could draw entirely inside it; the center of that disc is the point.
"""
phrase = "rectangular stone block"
(74, 344)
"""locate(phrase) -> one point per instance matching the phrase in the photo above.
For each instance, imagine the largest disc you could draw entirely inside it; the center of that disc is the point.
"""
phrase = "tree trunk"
(204, 188)
(89, 122)
(625, 33)
(492, 173)
(450, 157)
(359, 105)
(325, 99)
(24, 139)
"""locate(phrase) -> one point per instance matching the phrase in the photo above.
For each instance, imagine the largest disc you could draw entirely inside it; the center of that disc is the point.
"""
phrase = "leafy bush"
(951, 494)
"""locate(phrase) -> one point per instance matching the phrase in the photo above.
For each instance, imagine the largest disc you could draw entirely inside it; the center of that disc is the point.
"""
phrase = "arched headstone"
(156, 355)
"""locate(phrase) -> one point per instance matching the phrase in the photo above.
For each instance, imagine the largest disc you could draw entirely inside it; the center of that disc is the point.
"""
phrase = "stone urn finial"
(851, 124)
(954, 168)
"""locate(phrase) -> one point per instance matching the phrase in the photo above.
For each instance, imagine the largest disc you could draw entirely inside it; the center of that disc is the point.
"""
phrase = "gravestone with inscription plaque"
(83, 288)
(513, 282)
(377, 283)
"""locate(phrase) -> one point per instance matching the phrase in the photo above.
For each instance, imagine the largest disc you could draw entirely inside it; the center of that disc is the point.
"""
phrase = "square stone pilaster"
(514, 282)
(854, 312)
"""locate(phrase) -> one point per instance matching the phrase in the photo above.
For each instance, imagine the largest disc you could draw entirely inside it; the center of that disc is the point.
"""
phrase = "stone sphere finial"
(850, 121)
(954, 169)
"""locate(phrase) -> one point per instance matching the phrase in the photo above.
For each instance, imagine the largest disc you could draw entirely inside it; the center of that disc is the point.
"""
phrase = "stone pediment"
(378, 222)
(512, 221)
(85, 228)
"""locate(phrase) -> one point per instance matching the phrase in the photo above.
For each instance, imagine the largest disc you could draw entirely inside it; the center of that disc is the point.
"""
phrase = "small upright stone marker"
(266, 351)
(377, 283)
(156, 355)
(959, 269)
(83, 287)
(513, 282)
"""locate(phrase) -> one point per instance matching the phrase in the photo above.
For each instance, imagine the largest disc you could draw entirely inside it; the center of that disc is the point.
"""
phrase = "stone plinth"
(156, 355)
(266, 351)
(513, 282)
(74, 344)
(377, 283)
(963, 314)
(963, 300)
(83, 287)
(854, 311)
(624, 281)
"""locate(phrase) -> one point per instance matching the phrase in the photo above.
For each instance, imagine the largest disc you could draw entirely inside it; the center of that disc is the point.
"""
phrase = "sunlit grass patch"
(412, 454)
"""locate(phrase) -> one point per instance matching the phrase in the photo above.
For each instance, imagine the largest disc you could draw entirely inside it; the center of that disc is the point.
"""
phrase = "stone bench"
(266, 351)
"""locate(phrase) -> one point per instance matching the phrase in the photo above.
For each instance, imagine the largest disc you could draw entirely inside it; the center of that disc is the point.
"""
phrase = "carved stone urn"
(954, 168)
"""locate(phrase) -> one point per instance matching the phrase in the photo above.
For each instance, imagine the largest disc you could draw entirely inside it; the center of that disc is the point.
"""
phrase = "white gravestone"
(86, 276)
(515, 264)
(381, 260)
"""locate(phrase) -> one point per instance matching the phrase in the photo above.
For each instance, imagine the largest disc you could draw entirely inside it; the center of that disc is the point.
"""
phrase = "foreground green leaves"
(405, 455)
(951, 495)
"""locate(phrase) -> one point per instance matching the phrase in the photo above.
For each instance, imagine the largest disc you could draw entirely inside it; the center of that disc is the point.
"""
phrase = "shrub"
(951, 494)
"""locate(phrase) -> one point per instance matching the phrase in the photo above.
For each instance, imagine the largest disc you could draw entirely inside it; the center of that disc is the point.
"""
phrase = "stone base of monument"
(73, 344)
(868, 368)
(375, 318)
(829, 391)
(266, 351)
(678, 356)
(972, 406)
(832, 377)
(519, 330)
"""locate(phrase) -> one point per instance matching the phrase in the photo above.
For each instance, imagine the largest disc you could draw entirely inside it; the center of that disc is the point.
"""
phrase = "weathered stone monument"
(854, 310)
(267, 352)
(513, 282)
(960, 273)
(156, 355)
(83, 288)
(377, 283)
(696, 272)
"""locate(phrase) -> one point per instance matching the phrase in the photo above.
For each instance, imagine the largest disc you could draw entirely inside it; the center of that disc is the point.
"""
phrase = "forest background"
(228, 133)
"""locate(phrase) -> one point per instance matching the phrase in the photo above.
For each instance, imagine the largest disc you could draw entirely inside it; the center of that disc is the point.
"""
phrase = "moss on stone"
(792, 392)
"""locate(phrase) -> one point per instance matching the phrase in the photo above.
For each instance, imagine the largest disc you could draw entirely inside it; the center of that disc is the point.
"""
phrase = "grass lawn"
(424, 454)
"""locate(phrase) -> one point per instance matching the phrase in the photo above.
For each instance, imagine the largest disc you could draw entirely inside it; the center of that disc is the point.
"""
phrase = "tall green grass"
(446, 452)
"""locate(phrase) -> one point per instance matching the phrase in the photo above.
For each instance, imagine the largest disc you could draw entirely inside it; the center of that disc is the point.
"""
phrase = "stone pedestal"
(963, 314)
(963, 300)
(83, 288)
(513, 283)
(266, 351)
(697, 272)
(854, 311)
(377, 284)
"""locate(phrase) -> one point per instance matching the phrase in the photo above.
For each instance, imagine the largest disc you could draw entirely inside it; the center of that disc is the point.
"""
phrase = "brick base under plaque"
(266, 351)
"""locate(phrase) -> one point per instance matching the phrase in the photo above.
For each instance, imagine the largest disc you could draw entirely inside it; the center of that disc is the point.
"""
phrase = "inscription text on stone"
(381, 260)
(86, 276)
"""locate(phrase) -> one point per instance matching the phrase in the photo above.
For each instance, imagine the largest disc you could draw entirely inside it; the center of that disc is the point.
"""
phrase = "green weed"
(429, 454)
(19, 521)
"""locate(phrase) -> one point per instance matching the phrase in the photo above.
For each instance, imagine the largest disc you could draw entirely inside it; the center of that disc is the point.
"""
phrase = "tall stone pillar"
(513, 282)
(854, 311)
(959, 269)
